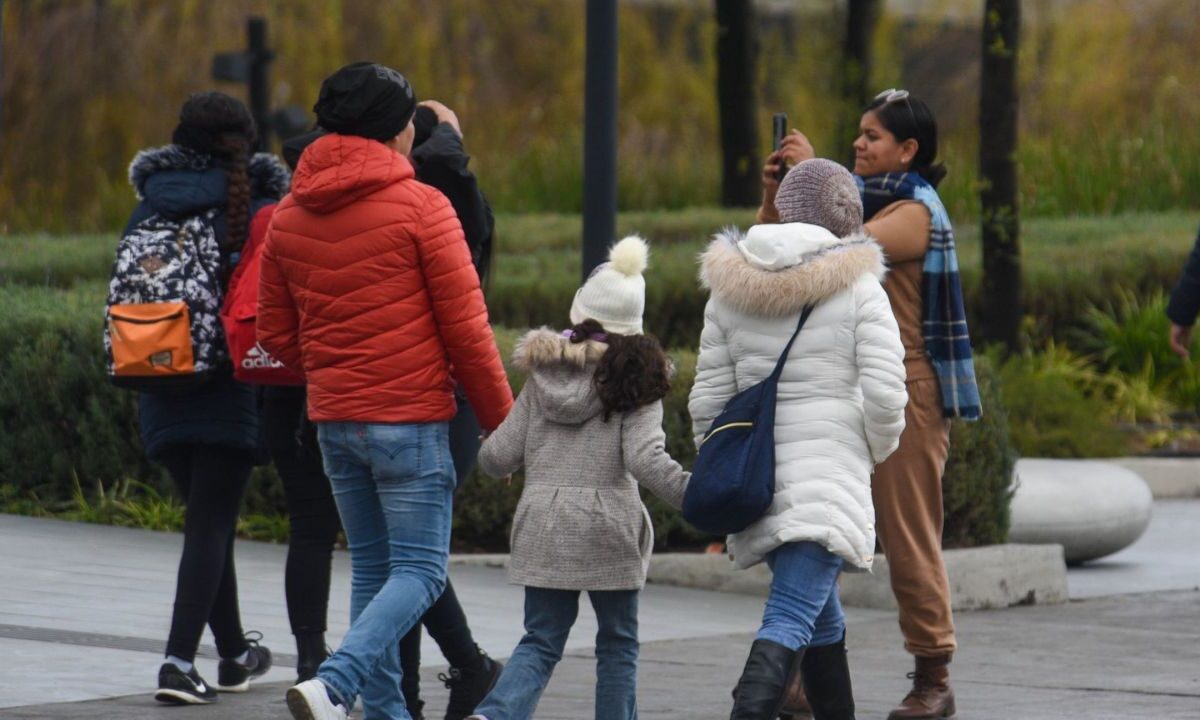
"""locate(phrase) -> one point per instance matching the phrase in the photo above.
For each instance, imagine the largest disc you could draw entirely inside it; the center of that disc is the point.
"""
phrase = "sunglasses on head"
(892, 95)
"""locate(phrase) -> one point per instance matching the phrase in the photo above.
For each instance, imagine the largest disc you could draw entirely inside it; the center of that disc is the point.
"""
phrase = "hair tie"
(576, 337)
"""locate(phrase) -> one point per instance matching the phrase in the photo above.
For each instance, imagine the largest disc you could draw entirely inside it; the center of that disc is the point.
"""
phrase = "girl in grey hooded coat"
(587, 427)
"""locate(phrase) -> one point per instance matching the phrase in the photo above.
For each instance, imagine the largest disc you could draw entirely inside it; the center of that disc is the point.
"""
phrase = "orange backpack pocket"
(151, 339)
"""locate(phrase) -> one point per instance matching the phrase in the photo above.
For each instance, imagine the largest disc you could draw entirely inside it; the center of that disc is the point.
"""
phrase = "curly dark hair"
(633, 372)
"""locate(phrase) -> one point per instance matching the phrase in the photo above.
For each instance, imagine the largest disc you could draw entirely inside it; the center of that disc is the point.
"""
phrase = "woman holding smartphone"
(895, 163)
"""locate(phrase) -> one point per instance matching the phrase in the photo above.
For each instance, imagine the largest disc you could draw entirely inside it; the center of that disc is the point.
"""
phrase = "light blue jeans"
(549, 615)
(393, 485)
(803, 607)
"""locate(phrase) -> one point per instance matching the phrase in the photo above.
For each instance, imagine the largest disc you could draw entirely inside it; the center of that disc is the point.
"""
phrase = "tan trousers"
(907, 490)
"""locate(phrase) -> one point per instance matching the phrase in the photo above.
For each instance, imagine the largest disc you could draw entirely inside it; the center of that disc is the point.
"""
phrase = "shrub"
(60, 419)
(64, 427)
(1051, 411)
(977, 487)
(1130, 337)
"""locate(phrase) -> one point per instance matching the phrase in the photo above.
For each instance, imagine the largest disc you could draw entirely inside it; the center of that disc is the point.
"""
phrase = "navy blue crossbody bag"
(733, 480)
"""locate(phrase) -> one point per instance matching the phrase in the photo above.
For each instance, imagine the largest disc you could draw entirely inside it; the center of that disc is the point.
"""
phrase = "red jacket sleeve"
(460, 313)
(278, 325)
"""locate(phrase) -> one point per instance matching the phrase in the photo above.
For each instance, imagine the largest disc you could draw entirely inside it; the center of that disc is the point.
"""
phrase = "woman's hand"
(443, 113)
(794, 149)
(1181, 340)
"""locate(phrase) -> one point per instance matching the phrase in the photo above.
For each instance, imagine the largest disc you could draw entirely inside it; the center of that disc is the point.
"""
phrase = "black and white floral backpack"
(162, 326)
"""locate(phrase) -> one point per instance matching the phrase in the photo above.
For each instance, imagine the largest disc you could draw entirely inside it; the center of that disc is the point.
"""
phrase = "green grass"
(1051, 246)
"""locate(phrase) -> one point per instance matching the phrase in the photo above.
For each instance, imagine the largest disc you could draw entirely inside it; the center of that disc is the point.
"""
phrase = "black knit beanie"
(366, 99)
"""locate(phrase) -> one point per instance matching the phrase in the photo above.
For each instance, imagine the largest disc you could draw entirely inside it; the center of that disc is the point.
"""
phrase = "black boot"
(468, 686)
(310, 653)
(827, 681)
(759, 692)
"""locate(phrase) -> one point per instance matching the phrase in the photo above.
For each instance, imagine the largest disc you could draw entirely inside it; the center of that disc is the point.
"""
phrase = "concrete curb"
(1168, 478)
(995, 576)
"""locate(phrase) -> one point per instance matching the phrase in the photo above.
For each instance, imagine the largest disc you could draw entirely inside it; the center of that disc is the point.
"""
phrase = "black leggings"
(311, 510)
(212, 480)
(445, 619)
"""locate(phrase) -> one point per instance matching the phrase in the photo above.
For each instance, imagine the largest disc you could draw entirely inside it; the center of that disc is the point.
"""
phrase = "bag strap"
(788, 350)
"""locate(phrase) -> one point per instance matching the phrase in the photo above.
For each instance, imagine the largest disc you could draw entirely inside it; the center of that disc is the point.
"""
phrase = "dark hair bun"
(933, 174)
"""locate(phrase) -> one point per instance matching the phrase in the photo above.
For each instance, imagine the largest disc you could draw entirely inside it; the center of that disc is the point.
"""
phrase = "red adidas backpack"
(239, 314)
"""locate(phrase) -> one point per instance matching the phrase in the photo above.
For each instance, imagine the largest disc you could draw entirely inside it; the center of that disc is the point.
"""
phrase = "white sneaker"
(476, 717)
(309, 701)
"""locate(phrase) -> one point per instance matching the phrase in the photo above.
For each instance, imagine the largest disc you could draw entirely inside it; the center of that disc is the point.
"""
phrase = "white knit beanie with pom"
(615, 293)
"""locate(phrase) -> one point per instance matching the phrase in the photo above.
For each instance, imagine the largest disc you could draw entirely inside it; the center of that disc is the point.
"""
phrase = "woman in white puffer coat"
(840, 411)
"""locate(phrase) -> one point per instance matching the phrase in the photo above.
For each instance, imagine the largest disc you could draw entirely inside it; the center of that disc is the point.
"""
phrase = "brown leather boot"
(795, 702)
(931, 695)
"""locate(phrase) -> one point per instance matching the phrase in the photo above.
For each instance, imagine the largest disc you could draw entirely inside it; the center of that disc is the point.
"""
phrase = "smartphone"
(778, 132)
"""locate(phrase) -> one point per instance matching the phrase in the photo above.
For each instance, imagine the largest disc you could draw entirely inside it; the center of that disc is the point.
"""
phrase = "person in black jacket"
(440, 160)
(1185, 304)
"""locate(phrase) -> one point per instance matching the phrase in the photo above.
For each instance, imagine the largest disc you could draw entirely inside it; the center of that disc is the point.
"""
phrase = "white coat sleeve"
(880, 356)
(715, 380)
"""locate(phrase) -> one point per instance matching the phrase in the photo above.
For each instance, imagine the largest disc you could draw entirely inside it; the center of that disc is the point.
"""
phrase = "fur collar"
(544, 347)
(269, 178)
(823, 271)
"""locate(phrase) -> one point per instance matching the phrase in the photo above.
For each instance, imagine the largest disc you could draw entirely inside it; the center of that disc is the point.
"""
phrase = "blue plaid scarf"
(944, 325)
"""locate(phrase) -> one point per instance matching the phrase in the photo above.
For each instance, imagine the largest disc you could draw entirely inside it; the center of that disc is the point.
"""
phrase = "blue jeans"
(549, 615)
(393, 485)
(802, 606)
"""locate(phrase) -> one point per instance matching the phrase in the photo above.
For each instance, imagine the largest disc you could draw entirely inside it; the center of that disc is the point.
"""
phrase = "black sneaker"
(233, 676)
(177, 687)
(469, 686)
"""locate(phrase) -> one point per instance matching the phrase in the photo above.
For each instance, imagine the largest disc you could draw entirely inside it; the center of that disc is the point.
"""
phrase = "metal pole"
(1, 67)
(600, 134)
(260, 59)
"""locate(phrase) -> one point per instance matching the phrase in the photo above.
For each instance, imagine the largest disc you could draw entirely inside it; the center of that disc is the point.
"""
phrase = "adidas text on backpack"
(162, 330)
(239, 314)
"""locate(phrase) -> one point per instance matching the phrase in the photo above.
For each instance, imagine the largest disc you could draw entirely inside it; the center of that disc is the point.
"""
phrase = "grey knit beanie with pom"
(821, 192)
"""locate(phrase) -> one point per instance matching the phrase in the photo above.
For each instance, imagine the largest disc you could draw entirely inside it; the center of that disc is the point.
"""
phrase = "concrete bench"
(1092, 508)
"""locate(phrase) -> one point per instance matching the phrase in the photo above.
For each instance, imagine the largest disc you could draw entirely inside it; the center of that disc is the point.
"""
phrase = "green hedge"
(977, 487)
(60, 419)
(64, 428)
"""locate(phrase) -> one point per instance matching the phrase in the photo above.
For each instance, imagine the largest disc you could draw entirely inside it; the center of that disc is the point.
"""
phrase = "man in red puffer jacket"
(368, 286)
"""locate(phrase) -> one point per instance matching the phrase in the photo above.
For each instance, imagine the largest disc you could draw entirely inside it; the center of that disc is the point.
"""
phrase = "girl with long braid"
(207, 437)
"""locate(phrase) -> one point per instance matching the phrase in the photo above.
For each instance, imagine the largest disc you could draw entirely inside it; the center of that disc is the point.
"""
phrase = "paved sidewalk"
(1108, 659)
(1166, 557)
(84, 611)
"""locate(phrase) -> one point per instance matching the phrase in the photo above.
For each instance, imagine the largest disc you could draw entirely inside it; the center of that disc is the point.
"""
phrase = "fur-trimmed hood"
(561, 372)
(776, 270)
(269, 178)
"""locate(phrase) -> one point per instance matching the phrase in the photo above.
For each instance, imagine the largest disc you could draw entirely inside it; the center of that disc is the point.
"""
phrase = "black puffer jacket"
(1185, 298)
(441, 161)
